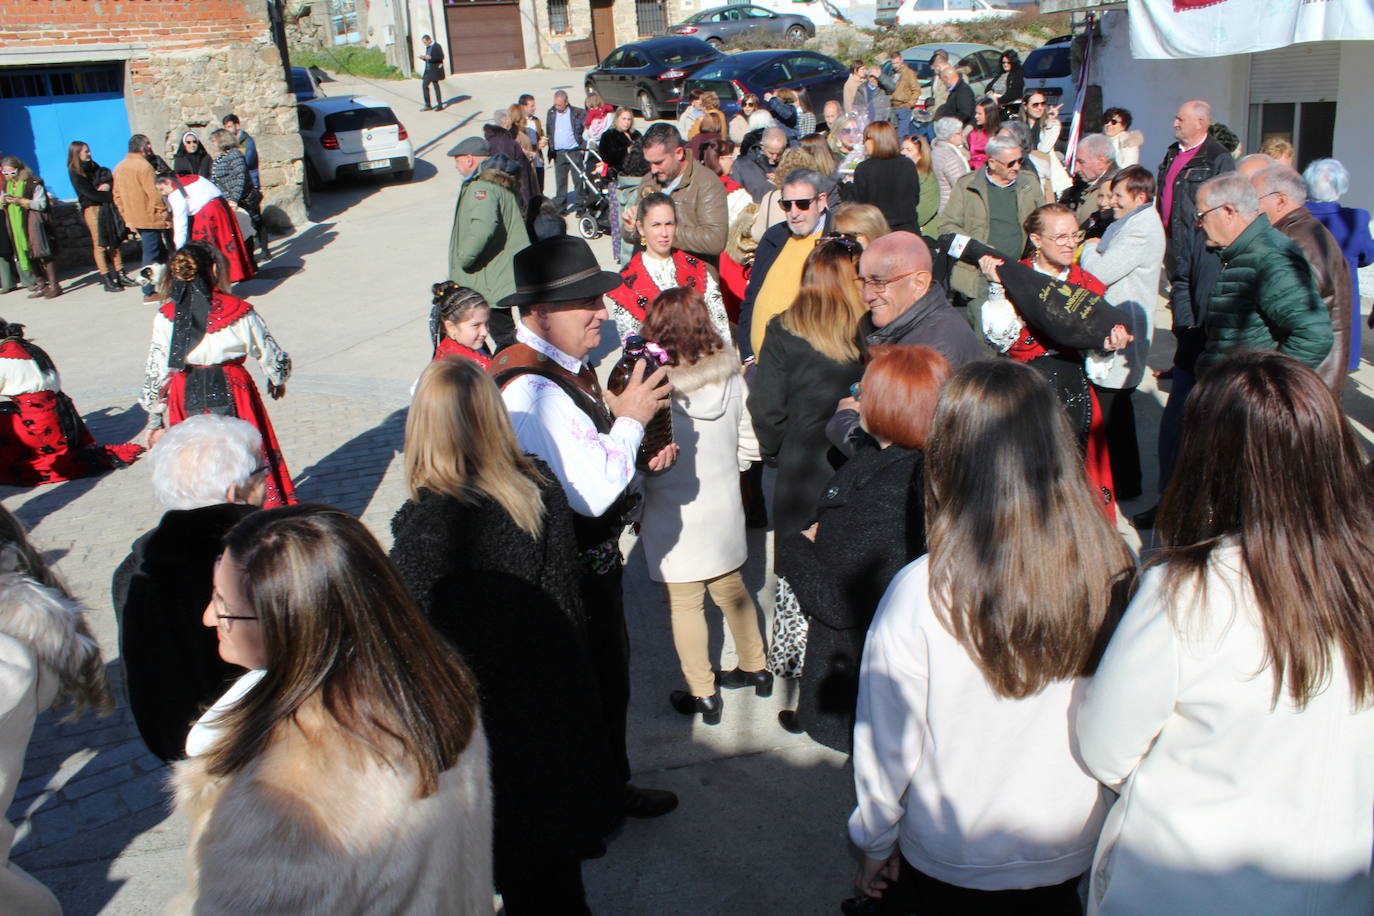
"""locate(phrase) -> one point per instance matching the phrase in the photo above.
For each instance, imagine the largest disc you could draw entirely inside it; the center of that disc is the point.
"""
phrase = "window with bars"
(652, 17)
(42, 83)
(558, 17)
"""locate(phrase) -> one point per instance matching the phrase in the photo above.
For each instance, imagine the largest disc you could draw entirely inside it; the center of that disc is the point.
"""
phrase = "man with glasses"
(1282, 194)
(753, 170)
(905, 306)
(990, 205)
(781, 255)
(702, 219)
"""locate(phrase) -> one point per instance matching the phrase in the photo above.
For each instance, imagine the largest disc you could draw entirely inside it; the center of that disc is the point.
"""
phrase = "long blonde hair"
(827, 309)
(459, 442)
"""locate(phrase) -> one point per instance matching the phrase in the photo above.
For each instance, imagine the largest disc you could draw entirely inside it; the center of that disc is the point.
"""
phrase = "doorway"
(603, 27)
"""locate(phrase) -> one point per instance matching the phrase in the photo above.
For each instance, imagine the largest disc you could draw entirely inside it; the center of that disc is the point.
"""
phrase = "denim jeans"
(154, 252)
(903, 122)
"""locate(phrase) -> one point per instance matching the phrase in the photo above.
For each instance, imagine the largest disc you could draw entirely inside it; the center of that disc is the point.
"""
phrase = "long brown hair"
(1025, 570)
(339, 625)
(460, 442)
(827, 309)
(679, 323)
(1268, 462)
(74, 163)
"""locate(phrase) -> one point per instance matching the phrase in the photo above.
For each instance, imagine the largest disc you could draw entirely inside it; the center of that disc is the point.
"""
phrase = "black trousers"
(562, 171)
(438, 85)
(916, 892)
(501, 328)
(610, 651)
(543, 885)
(1118, 412)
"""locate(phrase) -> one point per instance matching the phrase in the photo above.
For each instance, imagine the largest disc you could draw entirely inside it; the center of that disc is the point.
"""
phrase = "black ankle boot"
(110, 285)
(787, 718)
(709, 707)
(761, 681)
(115, 282)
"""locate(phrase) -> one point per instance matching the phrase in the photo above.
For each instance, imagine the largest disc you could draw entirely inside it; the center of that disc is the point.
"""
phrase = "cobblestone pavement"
(761, 827)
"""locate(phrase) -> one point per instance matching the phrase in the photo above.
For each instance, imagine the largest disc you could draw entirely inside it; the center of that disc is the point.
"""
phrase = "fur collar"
(52, 625)
(709, 370)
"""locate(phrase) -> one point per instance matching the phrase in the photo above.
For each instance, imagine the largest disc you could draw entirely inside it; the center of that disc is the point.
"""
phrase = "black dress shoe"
(1146, 519)
(648, 802)
(735, 678)
(709, 707)
(787, 718)
(125, 280)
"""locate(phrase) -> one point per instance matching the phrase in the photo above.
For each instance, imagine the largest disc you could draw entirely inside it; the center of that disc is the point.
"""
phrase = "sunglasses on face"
(1013, 164)
(802, 204)
(1113, 120)
(1035, 104)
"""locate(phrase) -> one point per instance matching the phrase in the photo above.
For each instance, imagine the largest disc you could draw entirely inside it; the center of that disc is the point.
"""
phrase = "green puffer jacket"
(1265, 299)
(487, 232)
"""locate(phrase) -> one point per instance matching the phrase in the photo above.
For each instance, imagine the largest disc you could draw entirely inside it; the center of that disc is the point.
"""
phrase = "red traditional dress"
(42, 437)
(646, 276)
(450, 347)
(199, 212)
(194, 369)
(734, 276)
(1063, 367)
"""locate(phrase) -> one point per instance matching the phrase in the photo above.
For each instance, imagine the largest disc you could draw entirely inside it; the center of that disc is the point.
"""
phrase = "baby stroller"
(593, 184)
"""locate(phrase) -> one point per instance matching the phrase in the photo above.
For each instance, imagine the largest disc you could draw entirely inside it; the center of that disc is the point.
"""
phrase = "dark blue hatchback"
(757, 72)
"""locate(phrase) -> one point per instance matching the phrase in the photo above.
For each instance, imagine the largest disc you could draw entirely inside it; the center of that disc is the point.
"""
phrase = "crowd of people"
(1038, 721)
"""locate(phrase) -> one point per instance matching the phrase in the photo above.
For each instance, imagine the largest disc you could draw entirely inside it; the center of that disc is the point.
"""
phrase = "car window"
(804, 66)
(929, 6)
(1047, 63)
(613, 59)
(681, 55)
(991, 61)
(753, 12)
(306, 117)
(723, 88)
(359, 119)
(633, 60)
(961, 5)
(772, 74)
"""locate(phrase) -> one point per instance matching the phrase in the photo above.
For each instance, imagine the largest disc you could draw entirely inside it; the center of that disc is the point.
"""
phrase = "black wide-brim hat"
(558, 269)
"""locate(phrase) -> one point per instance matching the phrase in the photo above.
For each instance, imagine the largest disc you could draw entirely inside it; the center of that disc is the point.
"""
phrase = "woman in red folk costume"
(458, 323)
(42, 437)
(200, 213)
(201, 338)
(660, 267)
(1053, 230)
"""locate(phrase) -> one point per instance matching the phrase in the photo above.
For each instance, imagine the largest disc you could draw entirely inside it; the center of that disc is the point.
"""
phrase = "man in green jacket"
(1265, 297)
(488, 230)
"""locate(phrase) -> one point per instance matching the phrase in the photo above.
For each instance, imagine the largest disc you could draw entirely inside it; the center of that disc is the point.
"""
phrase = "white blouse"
(246, 336)
(183, 206)
(22, 376)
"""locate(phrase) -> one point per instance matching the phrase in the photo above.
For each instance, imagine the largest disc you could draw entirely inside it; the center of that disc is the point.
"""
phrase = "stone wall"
(553, 45)
(187, 64)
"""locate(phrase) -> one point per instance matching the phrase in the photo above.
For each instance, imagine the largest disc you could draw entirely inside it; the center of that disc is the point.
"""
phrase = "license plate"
(375, 164)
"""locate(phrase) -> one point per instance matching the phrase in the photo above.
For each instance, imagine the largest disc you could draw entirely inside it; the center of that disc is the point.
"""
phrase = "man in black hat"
(488, 229)
(589, 438)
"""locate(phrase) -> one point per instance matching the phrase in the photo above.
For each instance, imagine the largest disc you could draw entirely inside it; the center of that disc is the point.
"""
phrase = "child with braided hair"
(458, 323)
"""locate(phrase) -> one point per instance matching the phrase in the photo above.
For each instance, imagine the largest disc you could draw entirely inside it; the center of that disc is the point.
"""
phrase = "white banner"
(1212, 28)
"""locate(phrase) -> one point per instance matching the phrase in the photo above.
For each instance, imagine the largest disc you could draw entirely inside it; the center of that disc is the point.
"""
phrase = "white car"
(946, 12)
(353, 135)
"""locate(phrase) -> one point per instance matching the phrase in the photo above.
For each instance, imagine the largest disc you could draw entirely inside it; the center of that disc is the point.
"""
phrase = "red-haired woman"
(869, 524)
(1053, 230)
(661, 267)
(692, 530)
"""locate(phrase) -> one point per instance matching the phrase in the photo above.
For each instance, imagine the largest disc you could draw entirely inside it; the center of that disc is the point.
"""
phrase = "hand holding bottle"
(642, 397)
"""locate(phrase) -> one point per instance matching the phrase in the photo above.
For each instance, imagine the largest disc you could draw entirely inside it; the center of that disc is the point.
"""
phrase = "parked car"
(1049, 68)
(737, 75)
(948, 12)
(648, 75)
(304, 84)
(723, 24)
(981, 63)
(353, 135)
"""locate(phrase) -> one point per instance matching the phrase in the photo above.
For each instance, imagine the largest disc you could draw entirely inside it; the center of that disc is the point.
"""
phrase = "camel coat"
(318, 824)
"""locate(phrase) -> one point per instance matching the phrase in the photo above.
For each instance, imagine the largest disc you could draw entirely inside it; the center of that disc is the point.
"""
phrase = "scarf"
(1115, 226)
(192, 299)
(14, 213)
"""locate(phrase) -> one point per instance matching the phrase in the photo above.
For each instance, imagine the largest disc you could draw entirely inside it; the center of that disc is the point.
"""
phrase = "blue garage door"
(43, 109)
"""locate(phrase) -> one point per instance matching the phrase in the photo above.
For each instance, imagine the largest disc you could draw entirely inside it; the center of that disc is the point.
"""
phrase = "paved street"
(761, 828)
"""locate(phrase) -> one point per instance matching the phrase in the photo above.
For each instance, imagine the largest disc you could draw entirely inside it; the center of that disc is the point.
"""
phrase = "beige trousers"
(101, 255)
(687, 605)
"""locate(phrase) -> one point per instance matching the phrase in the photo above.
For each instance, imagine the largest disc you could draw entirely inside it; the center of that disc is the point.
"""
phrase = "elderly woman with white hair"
(948, 155)
(1327, 181)
(209, 472)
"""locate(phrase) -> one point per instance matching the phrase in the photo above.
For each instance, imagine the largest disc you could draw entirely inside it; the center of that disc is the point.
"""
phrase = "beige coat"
(703, 221)
(41, 638)
(319, 825)
(135, 195)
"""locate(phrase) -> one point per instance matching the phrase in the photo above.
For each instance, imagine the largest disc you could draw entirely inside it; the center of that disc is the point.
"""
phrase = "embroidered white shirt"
(594, 468)
(247, 336)
(663, 271)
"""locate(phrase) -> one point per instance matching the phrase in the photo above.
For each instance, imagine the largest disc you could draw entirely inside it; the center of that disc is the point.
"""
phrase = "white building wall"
(1354, 141)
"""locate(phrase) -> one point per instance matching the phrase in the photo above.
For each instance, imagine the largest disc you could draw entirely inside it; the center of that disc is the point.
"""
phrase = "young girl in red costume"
(458, 323)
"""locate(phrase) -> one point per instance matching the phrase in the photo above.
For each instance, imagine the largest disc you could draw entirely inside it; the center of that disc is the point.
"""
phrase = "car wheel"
(312, 177)
(648, 108)
(587, 228)
(715, 42)
(405, 174)
(796, 34)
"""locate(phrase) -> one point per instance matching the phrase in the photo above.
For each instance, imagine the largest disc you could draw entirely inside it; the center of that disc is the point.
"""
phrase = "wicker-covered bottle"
(658, 433)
